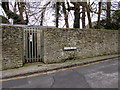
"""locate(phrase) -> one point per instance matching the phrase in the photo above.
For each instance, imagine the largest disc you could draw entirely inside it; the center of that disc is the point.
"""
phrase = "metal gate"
(33, 44)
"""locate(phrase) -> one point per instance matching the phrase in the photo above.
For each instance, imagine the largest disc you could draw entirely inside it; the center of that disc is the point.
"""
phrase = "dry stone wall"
(12, 47)
(89, 43)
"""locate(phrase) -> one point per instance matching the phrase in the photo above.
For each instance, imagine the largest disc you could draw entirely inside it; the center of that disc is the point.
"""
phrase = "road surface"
(99, 75)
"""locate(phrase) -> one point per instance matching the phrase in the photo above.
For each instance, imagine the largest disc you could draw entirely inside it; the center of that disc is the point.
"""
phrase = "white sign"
(70, 48)
(30, 38)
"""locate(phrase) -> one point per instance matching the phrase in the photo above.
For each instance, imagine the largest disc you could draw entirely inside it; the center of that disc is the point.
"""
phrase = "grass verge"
(73, 60)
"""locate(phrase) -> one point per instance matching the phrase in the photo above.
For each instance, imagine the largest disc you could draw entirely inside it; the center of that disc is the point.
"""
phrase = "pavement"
(40, 67)
(97, 75)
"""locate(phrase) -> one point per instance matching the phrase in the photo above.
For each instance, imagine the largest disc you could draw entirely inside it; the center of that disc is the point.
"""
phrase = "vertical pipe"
(29, 48)
(24, 55)
(41, 45)
(35, 44)
(38, 44)
(32, 57)
(26, 36)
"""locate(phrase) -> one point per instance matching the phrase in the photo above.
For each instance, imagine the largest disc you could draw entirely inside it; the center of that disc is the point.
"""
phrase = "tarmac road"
(99, 75)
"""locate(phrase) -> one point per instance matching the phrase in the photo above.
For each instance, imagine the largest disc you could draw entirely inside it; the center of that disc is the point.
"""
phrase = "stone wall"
(0, 48)
(89, 43)
(12, 47)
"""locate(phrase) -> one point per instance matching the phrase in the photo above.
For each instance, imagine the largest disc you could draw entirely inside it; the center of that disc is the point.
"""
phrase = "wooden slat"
(32, 46)
(26, 33)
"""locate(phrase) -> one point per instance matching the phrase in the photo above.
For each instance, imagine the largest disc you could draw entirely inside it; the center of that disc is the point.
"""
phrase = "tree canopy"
(67, 13)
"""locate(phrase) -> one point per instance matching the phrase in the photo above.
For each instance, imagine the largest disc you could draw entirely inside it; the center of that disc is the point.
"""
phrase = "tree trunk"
(18, 19)
(42, 16)
(65, 15)
(99, 13)
(43, 13)
(119, 5)
(83, 15)
(108, 14)
(21, 7)
(88, 14)
(57, 13)
(76, 15)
